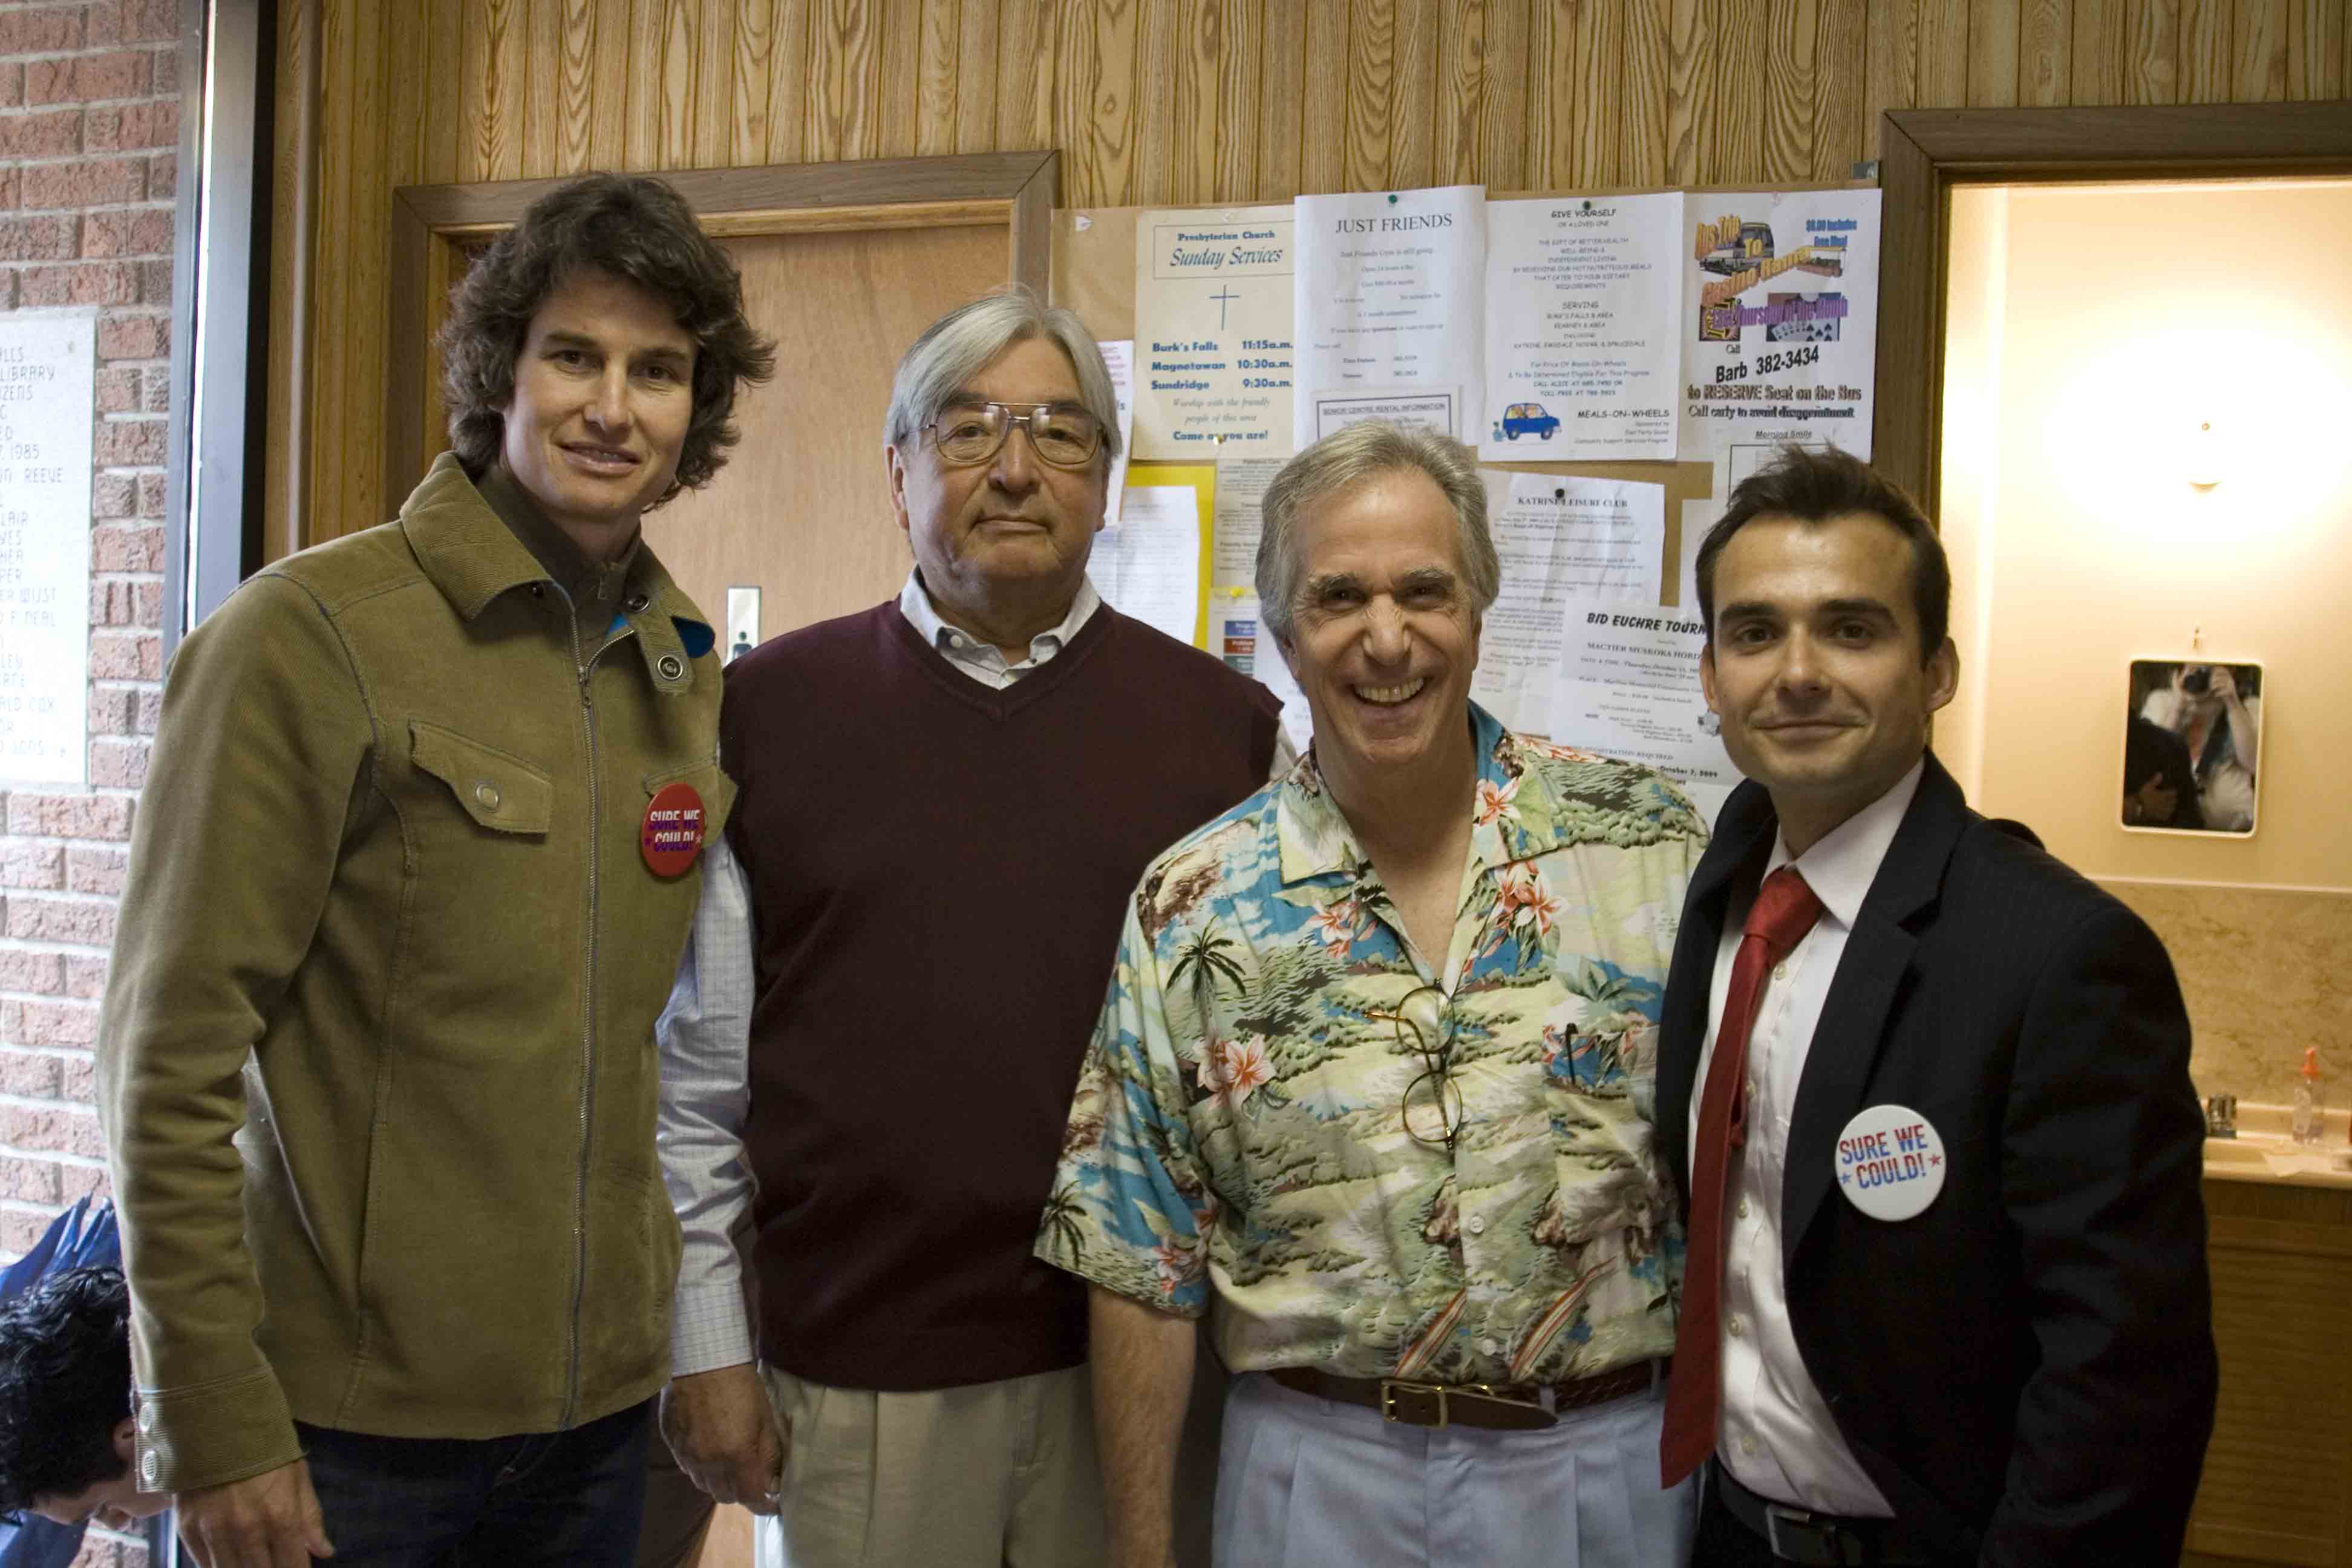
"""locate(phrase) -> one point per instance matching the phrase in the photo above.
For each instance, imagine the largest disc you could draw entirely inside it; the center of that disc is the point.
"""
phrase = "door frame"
(1923, 152)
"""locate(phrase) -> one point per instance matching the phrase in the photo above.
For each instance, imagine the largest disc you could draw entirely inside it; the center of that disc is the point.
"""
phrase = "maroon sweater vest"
(939, 873)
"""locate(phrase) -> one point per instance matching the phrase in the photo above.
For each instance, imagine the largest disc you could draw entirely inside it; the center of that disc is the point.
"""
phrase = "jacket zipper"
(583, 668)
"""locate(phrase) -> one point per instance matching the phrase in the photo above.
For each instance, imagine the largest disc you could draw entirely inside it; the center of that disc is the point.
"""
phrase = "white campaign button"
(1889, 1161)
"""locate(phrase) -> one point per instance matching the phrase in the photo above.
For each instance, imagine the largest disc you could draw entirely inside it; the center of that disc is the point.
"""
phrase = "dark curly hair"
(636, 229)
(65, 1383)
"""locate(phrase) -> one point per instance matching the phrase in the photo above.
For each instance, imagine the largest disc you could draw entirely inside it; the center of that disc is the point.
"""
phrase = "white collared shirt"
(976, 656)
(1777, 1436)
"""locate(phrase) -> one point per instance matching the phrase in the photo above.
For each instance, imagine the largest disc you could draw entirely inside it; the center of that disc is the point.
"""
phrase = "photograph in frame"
(2192, 747)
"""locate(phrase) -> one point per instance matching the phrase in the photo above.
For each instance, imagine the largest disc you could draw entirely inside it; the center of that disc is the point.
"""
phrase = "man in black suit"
(1947, 1298)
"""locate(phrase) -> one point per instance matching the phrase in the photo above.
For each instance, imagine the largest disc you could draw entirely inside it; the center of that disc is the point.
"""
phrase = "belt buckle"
(1796, 1536)
(1391, 1386)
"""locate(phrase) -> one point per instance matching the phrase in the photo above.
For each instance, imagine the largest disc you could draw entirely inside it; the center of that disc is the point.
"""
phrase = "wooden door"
(802, 511)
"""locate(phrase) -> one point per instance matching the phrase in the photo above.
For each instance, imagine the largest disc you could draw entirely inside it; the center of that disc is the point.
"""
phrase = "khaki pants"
(994, 1475)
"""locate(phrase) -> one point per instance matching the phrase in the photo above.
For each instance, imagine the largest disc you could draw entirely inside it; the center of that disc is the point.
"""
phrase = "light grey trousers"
(1311, 1483)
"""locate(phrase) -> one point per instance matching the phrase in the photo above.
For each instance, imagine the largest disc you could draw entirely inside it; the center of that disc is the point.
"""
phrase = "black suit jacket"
(2026, 1369)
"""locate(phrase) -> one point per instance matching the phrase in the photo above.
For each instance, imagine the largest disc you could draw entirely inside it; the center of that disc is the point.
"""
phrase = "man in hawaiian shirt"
(1372, 1090)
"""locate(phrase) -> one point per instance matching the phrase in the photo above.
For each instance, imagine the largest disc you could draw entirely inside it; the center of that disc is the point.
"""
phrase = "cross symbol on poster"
(1224, 298)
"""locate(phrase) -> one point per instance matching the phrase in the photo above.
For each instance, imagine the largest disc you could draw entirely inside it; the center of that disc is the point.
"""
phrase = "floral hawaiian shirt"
(1237, 1134)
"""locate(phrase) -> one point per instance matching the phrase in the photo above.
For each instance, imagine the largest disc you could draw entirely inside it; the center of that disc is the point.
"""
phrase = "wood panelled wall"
(1155, 102)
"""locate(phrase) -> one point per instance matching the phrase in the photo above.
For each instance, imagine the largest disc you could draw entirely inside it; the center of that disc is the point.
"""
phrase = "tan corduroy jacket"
(376, 1062)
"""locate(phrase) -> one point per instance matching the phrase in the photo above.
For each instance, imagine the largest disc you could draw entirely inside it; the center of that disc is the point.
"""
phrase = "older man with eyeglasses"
(942, 804)
(1372, 1090)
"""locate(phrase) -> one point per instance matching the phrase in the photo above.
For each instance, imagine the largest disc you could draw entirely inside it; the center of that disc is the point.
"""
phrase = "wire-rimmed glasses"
(1061, 436)
(1432, 1111)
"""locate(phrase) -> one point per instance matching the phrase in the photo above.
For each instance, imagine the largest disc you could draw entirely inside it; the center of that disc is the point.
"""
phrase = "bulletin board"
(1093, 270)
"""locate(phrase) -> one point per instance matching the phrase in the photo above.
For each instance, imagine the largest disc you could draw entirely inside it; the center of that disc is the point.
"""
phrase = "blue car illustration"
(1528, 419)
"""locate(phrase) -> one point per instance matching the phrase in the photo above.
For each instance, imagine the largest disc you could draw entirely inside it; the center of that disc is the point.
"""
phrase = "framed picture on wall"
(2192, 747)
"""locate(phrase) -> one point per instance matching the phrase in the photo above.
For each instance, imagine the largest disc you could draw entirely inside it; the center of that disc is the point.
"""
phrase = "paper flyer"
(1732, 464)
(1213, 318)
(1390, 290)
(1780, 318)
(1237, 631)
(1698, 515)
(1739, 459)
(1119, 358)
(1237, 634)
(1583, 359)
(1627, 685)
(1148, 565)
(1241, 495)
(48, 370)
(1559, 537)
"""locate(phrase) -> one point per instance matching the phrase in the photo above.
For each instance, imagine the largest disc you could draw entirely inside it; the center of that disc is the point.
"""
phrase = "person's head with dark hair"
(2160, 783)
(66, 1431)
(1826, 599)
(1819, 485)
(595, 350)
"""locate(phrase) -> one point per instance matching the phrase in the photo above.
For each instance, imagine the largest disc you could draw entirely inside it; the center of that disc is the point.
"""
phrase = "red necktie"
(1784, 910)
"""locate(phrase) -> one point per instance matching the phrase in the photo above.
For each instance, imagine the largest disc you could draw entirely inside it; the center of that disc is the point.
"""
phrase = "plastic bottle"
(2309, 1105)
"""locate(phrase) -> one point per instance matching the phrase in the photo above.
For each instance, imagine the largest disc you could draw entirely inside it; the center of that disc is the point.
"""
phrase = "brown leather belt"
(1499, 1406)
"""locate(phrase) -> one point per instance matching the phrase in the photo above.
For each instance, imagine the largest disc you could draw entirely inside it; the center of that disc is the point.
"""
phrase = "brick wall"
(89, 131)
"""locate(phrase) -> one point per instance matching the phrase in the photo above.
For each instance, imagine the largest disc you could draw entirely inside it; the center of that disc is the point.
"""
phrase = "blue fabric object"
(84, 1236)
(81, 1238)
(697, 637)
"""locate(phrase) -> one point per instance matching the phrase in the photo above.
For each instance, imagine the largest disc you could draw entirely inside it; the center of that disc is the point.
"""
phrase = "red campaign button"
(672, 834)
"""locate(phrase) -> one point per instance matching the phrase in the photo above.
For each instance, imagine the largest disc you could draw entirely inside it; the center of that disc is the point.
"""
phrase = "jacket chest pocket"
(495, 790)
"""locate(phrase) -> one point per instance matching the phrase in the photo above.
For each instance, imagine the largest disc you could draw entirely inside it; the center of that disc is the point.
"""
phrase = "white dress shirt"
(704, 1035)
(976, 656)
(1777, 1436)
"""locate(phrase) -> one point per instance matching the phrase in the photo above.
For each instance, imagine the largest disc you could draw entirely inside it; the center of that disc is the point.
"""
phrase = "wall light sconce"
(2201, 457)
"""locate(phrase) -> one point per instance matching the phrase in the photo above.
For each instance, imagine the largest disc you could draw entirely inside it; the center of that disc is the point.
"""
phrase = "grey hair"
(1345, 458)
(964, 342)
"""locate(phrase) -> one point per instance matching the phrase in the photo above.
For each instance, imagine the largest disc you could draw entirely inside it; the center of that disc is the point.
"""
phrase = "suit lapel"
(1743, 838)
(1852, 1029)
